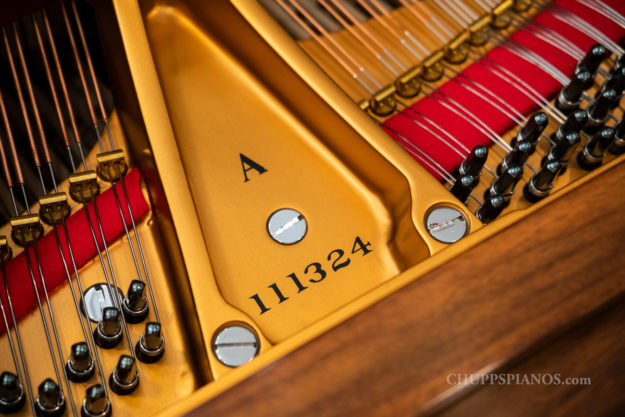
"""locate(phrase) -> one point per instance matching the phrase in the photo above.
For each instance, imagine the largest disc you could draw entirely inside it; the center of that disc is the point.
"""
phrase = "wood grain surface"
(594, 350)
(482, 312)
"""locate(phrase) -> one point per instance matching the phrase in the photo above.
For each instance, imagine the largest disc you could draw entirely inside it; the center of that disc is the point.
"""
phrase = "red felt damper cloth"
(17, 272)
(436, 149)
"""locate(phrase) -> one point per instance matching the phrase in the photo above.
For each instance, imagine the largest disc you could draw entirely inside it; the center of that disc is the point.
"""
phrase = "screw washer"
(446, 224)
(287, 226)
(235, 345)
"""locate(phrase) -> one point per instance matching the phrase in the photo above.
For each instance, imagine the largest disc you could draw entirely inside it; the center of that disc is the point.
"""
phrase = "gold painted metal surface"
(301, 174)
(154, 391)
(301, 63)
(191, 22)
(202, 83)
(336, 135)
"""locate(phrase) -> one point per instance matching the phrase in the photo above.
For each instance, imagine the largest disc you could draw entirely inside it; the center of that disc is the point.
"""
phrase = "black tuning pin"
(108, 332)
(541, 183)
(619, 65)
(573, 124)
(96, 404)
(563, 150)
(470, 172)
(571, 94)
(591, 156)
(532, 130)
(618, 146)
(125, 377)
(12, 396)
(592, 60)
(463, 187)
(135, 304)
(50, 400)
(504, 184)
(516, 157)
(474, 163)
(616, 82)
(599, 111)
(80, 366)
(619, 86)
(151, 346)
(490, 209)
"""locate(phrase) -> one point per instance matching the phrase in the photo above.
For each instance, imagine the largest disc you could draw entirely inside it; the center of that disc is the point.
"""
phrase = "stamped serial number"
(314, 273)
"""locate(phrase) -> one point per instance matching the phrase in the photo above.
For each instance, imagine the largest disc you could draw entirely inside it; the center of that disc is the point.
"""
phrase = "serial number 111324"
(314, 273)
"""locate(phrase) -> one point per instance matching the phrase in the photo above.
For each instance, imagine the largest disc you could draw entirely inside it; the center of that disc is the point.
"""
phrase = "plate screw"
(235, 345)
(446, 224)
(96, 299)
(287, 226)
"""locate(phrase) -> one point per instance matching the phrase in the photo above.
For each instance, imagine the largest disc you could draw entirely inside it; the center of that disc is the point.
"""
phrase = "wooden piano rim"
(480, 312)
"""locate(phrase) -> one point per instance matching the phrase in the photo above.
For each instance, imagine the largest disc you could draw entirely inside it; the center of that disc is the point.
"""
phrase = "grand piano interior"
(201, 197)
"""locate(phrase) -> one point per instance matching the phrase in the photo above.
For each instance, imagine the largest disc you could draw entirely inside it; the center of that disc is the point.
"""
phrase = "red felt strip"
(403, 128)
(17, 272)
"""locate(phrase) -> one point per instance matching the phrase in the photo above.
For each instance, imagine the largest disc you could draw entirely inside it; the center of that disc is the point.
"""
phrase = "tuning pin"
(532, 130)
(474, 163)
(135, 304)
(616, 82)
(591, 156)
(563, 150)
(618, 146)
(571, 95)
(462, 187)
(125, 377)
(96, 404)
(592, 60)
(504, 184)
(541, 183)
(517, 156)
(151, 346)
(619, 85)
(573, 124)
(492, 207)
(108, 332)
(80, 365)
(599, 111)
(12, 396)
(50, 400)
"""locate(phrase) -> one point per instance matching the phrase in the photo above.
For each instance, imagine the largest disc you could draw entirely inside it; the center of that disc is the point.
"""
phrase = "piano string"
(398, 49)
(55, 394)
(321, 20)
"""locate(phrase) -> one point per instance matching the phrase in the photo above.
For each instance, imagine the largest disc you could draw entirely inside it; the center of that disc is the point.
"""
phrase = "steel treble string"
(351, 70)
(576, 21)
(377, 54)
(88, 335)
(89, 197)
(23, 375)
(30, 242)
(120, 180)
